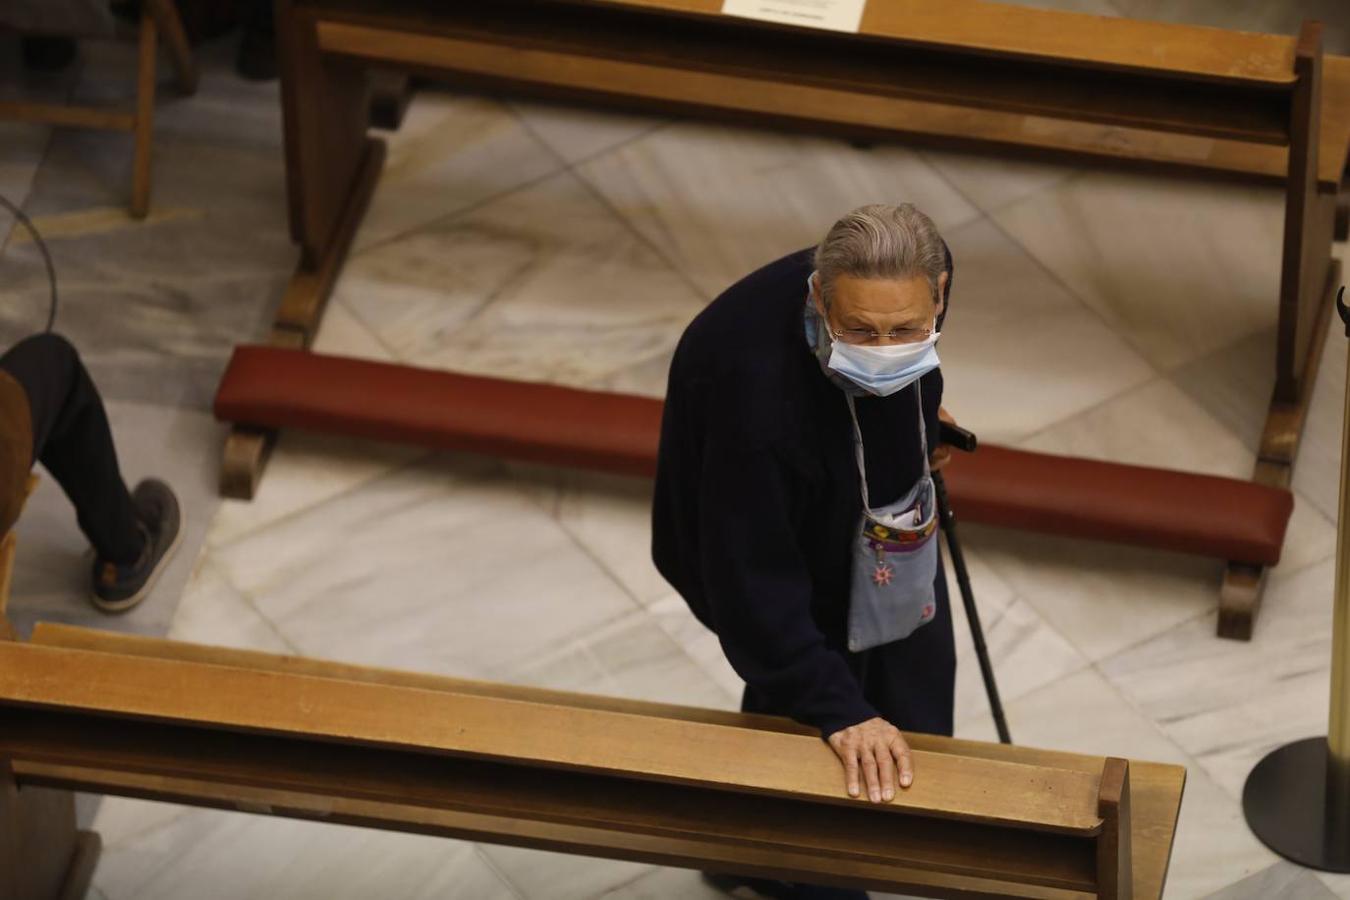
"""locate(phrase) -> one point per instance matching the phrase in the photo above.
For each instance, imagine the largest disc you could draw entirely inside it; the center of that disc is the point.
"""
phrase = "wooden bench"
(953, 72)
(269, 388)
(721, 791)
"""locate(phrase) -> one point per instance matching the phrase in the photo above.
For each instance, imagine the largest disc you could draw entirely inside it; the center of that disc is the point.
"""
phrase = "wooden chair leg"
(145, 116)
(171, 28)
(1341, 230)
(1239, 600)
(245, 457)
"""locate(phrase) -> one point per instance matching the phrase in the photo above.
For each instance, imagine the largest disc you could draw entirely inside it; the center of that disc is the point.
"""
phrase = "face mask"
(886, 369)
(880, 370)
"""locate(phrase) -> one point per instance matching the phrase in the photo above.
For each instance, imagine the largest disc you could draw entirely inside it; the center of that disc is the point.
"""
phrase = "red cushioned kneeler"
(274, 387)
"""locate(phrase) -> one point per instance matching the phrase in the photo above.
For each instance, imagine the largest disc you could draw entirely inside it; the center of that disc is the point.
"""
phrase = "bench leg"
(42, 856)
(245, 457)
(1239, 600)
(391, 92)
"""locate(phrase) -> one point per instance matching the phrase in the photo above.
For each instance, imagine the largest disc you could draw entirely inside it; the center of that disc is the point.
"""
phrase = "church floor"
(1095, 312)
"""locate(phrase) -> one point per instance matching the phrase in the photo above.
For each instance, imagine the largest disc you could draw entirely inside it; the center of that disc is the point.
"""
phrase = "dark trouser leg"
(72, 440)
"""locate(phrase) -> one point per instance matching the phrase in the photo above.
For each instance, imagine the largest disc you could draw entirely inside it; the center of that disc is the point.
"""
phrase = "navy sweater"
(757, 502)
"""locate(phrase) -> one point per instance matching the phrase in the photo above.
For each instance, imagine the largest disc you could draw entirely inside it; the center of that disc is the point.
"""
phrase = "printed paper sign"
(831, 15)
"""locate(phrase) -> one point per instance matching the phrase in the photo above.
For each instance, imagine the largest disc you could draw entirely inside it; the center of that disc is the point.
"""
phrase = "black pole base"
(1287, 803)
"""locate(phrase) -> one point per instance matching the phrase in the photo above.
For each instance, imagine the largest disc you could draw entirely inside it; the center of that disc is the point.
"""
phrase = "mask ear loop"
(46, 256)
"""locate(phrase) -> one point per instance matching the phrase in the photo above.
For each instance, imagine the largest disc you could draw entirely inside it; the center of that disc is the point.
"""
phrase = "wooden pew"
(721, 791)
(274, 387)
(949, 72)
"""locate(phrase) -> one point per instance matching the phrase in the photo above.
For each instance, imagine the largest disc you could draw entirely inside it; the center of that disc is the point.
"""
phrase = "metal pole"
(1297, 799)
(1338, 730)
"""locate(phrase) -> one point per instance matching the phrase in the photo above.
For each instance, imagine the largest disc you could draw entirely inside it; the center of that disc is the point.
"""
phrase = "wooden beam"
(52, 634)
(67, 116)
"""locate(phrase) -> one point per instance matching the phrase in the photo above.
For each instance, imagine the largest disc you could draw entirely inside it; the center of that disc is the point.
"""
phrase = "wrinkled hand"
(875, 748)
(941, 454)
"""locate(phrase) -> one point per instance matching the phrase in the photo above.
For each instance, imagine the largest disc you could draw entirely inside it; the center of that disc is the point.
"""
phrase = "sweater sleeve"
(759, 593)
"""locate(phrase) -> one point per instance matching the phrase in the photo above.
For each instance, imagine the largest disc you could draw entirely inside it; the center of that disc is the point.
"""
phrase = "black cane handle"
(957, 437)
(1343, 309)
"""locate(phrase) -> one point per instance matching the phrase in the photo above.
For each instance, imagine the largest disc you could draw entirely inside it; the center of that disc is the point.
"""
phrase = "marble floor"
(1097, 313)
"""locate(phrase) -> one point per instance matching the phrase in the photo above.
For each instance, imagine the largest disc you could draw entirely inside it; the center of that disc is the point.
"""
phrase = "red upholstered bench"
(269, 388)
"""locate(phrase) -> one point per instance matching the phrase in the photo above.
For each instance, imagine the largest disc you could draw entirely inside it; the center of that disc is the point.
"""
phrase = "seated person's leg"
(132, 535)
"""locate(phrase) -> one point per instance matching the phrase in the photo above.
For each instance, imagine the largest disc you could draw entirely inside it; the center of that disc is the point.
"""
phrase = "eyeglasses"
(868, 336)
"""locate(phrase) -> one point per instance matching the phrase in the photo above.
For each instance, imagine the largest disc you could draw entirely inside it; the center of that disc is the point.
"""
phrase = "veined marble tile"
(52, 570)
(1018, 351)
(632, 657)
(699, 644)
(218, 855)
(306, 469)
(451, 152)
(211, 611)
(1240, 701)
(995, 178)
(1284, 880)
(543, 285)
(1233, 384)
(1317, 474)
(542, 875)
(664, 883)
(1154, 424)
(121, 820)
(1084, 714)
(577, 132)
(442, 566)
(611, 516)
(22, 145)
(224, 110)
(1102, 597)
(720, 202)
(155, 306)
(1179, 267)
(1025, 652)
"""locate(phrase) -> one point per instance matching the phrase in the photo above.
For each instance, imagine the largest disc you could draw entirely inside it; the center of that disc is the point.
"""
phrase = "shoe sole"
(128, 603)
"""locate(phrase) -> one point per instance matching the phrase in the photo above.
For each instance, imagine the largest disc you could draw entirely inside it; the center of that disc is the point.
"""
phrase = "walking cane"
(965, 440)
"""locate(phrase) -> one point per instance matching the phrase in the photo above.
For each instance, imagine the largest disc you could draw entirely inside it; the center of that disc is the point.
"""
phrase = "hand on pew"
(876, 747)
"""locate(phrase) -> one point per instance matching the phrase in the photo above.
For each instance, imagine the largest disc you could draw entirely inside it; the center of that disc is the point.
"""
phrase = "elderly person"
(794, 511)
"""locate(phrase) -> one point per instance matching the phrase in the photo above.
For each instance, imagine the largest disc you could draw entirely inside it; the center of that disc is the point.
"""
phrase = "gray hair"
(881, 241)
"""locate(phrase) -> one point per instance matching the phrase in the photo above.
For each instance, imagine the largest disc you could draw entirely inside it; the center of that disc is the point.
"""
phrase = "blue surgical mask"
(859, 369)
(883, 370)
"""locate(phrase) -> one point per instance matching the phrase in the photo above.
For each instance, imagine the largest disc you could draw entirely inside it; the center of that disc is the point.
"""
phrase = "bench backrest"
(1158, 77)
(547, 769)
